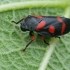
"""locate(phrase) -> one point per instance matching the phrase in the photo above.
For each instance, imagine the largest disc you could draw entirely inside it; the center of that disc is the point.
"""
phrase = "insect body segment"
(52, 26)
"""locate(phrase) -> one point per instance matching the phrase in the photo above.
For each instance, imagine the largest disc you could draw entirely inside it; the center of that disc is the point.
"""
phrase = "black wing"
(61, 26)
(44, 33)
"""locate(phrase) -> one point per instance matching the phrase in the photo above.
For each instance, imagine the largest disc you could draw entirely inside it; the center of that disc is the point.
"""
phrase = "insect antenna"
(18, 21)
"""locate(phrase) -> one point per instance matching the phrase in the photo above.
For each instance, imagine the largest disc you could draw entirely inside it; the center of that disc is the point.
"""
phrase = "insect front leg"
(32, 38)
(43, 38)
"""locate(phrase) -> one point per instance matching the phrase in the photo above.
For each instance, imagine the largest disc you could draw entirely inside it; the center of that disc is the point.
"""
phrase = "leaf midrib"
(33, 4)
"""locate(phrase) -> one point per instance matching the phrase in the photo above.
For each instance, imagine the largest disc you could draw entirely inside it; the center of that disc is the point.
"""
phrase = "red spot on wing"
(63, 24)
(41, 25)
(51, 29)
(38, 16)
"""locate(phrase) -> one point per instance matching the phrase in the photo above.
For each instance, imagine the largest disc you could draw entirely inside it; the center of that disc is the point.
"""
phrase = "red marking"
(51, 29)
(38, 16)
(63, 24)
(42, 37)
(41, 25)
(59, 19)
(33, 37)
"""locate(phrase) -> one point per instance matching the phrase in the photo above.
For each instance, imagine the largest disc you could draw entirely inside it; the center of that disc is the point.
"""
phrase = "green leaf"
(38, 56)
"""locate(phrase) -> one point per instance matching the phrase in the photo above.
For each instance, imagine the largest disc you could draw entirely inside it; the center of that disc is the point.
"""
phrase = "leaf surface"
(38, 55)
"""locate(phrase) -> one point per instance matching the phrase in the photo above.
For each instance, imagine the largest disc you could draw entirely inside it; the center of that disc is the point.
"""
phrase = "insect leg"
(57, 37)
(43, 38)
(32, 38)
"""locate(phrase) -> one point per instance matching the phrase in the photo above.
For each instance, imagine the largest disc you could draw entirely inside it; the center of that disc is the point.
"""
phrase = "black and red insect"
(52, 26)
